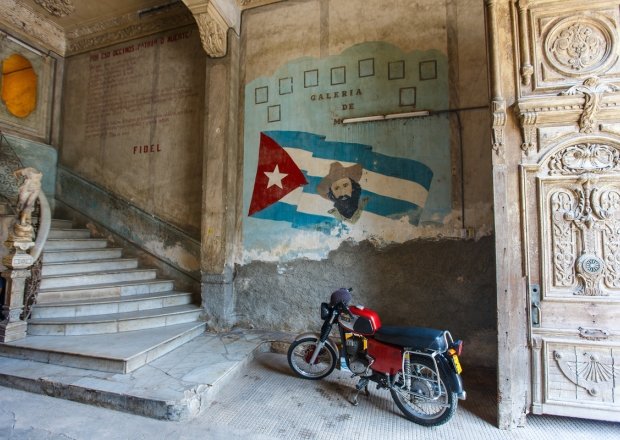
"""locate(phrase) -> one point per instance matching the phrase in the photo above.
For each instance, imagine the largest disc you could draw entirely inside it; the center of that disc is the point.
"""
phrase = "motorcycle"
(419, 366)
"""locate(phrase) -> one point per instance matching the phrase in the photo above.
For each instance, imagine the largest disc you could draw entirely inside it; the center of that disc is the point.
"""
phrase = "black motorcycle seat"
(418, 338)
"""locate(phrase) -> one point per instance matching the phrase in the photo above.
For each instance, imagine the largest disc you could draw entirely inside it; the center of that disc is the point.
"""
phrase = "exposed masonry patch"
(435, 283)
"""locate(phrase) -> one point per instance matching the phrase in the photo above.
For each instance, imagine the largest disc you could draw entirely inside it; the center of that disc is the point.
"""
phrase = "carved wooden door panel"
(572, 218)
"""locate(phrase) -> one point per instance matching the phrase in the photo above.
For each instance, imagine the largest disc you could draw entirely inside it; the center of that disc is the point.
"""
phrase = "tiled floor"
(271, 401)
(262, 399)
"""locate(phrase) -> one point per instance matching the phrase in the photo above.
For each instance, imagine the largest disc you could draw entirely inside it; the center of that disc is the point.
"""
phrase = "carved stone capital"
(213, 26)
(213, 33)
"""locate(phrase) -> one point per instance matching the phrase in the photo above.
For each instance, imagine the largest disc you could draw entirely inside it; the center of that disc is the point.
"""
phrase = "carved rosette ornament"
(589, 270)
(578, 46)
(592, 90)
(59, 8)
(587, 371)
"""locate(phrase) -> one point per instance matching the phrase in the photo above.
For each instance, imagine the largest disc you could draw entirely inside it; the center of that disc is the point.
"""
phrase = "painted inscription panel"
(343, 148)
(133, 122)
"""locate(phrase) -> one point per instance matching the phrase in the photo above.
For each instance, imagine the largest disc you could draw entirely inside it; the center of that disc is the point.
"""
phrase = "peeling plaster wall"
(438, 273)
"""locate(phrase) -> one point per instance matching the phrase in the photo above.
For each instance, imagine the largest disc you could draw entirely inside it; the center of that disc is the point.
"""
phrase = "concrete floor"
(266, 401)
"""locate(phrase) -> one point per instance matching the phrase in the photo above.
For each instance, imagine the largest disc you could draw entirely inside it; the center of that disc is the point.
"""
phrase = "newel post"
(18, 262)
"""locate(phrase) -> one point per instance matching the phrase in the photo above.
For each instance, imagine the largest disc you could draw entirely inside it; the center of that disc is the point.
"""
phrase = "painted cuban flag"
(312, 183)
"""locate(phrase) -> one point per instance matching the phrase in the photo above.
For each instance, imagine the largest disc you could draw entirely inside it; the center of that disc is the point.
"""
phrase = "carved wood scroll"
(584, 215)
(592, 90)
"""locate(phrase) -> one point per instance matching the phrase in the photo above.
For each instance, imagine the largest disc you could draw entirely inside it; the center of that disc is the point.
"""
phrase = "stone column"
(221, 174)
(17, 262)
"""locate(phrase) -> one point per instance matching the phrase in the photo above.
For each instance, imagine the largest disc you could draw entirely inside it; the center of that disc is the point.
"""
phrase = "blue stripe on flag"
(288, 213)
(357, 153)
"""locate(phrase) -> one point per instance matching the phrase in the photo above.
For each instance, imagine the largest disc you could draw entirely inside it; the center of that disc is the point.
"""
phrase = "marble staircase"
(98, 310)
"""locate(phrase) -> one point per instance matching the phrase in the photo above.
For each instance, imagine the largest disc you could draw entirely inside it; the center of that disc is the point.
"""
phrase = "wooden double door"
(571, 208)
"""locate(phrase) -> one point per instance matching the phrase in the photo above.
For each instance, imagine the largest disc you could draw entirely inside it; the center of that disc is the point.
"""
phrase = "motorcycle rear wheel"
(418, 403)
(299, 355)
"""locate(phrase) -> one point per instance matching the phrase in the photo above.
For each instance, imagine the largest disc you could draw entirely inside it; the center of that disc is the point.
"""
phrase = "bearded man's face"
(342, 188)
(345, 194)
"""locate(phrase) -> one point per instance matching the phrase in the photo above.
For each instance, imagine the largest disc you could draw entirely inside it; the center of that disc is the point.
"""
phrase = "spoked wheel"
(426, 401)
(299, 356)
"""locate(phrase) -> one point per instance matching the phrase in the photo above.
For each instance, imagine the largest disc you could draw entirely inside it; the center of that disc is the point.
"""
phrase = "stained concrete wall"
(442, 274)
(132, 123)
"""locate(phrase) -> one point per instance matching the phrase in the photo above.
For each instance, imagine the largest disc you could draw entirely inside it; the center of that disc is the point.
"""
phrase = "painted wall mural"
(315, 175)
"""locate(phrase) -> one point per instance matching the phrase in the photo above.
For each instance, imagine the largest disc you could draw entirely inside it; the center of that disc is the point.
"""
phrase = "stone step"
(107, 290)
(115, 353)
(61, 224)
(60, 256)
(100, 306)
(114, 322)
(68, 233)
(75, 243)
(84, 266)
(83, 279)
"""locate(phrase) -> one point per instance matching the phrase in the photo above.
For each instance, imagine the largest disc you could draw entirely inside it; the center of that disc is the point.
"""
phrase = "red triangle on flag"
(276, 175)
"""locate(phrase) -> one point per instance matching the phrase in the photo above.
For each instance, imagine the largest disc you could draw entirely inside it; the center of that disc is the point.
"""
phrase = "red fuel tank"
(361, 320)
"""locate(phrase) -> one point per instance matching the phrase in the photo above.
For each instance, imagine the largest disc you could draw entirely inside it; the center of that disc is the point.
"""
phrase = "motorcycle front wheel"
(424, 399)
(299, 356)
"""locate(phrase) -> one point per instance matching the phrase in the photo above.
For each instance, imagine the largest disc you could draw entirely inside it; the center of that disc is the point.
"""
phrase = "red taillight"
(458, 347)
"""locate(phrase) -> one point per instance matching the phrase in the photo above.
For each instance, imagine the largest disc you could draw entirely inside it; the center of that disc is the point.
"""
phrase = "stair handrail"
(23, 261)
(43, 231)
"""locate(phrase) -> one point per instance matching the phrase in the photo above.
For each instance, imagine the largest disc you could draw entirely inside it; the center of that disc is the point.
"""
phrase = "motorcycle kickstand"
(362, 384)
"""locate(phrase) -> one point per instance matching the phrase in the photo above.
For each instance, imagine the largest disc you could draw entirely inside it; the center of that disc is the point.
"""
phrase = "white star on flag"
(275, 177)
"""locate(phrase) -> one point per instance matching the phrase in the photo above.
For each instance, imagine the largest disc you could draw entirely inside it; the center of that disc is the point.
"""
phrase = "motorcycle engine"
(358, 362)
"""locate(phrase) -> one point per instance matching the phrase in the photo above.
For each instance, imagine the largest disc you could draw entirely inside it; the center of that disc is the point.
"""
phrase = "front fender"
(317, 335)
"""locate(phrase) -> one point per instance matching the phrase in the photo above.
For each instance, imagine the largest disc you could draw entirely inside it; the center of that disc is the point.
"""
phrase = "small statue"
(28, 194)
